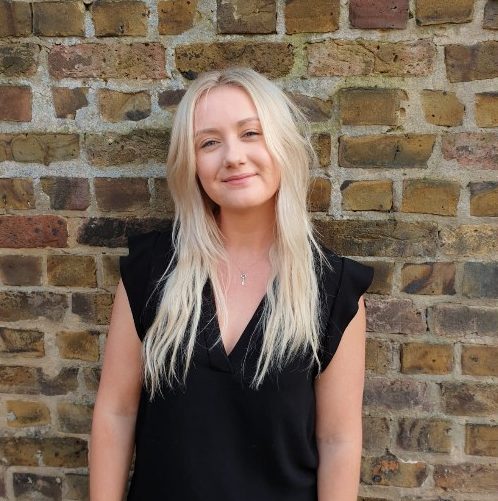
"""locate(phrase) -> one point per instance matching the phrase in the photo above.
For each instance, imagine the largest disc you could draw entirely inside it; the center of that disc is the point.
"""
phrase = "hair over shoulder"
(290, 320)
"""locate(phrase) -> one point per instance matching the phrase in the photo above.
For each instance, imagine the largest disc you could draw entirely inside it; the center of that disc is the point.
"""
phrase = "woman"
(218, 364)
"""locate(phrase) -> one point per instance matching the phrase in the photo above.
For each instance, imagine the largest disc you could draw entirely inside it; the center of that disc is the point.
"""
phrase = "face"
(234, 165)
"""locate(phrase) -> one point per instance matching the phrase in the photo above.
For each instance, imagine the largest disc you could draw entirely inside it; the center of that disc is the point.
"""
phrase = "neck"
(247, 234)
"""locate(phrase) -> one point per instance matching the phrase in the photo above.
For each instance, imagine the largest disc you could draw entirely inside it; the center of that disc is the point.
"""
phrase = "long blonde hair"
(290, 318)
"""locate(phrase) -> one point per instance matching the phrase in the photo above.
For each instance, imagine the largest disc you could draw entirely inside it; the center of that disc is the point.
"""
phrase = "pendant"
(243, 277)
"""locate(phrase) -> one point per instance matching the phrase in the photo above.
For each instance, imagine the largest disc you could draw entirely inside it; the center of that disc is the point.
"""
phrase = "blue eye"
(207, 143)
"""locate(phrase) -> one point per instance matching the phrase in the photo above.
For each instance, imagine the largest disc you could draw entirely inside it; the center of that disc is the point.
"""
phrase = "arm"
(339, 396)
(114, 415)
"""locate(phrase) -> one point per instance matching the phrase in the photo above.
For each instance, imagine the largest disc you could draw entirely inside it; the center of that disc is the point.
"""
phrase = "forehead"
(224, 104)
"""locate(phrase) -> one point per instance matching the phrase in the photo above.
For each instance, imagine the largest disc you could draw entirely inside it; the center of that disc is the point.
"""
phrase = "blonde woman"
(234, 363)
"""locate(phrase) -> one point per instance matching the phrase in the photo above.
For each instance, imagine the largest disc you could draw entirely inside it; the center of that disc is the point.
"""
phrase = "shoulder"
(339, 271)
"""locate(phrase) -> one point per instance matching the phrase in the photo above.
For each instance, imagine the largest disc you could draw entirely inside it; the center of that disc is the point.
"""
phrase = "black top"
(217, 439)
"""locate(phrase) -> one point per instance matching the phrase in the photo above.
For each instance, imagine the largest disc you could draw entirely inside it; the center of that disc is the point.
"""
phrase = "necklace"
(243, 274)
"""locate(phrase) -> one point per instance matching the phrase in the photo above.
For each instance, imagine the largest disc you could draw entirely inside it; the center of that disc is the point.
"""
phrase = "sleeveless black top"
(217, 439)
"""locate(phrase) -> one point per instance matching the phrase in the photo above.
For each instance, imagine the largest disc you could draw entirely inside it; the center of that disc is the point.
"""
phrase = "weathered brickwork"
(402, 100)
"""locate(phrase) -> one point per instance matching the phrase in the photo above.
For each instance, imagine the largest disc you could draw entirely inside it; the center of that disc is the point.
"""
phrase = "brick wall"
(404, 103)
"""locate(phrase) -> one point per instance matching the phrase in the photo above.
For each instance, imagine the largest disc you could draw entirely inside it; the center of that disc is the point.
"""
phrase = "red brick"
(15, 18)
(33, 231)
(378, 14)
(114, 60)
(465, 63)
(15, 104)
(67, 193)
(368, 57)
(472, 149)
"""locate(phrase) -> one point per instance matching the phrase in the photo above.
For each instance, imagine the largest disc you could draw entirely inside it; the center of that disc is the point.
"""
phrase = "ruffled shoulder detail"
(352, 279)
(135, 269)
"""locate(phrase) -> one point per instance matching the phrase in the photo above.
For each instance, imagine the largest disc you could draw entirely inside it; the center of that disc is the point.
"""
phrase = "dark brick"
(396, 316)
(480, 280)
(459, 321)
(19, 60)
(169, 99)
(361, 238)
(273, 59)
(67, 193)
(18, 306)
(490, 21)
(378, 14)
(465, 63)
(138, 146)
(246, 16)
(382, 393)
(469, 399)
(386, 151)
(110, 232)
(122, 194)
(33, 486)
(75, 418)
(20, 270)
(67, 452)
(425, 435)
(59, 19)
(28, 343)
(93, 308)
(15, 19)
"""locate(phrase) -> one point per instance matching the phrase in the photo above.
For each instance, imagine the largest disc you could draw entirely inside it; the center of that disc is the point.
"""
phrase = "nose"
(234, 153)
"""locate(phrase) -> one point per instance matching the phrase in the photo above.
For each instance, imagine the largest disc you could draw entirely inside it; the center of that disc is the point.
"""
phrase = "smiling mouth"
(237, 178)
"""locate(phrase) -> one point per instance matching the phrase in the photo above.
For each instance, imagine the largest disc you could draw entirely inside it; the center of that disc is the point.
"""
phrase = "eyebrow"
(240, 122)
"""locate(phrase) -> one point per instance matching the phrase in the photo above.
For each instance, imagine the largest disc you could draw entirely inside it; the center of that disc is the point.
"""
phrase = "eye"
(251, 133)
(208, 143)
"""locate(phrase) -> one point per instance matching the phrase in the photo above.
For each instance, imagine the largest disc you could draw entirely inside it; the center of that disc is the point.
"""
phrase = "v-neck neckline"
(242, 342)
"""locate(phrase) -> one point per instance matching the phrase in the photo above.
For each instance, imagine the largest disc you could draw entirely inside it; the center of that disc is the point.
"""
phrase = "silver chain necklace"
(243, 274)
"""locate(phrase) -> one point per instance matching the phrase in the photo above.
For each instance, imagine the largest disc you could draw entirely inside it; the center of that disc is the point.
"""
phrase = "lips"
(236, 178)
